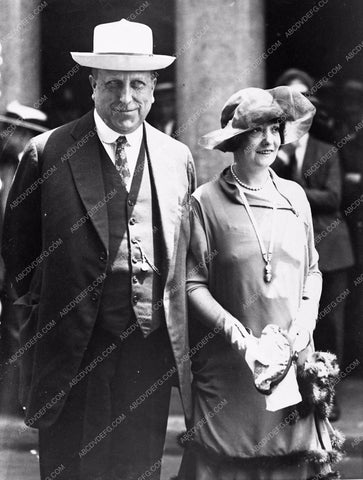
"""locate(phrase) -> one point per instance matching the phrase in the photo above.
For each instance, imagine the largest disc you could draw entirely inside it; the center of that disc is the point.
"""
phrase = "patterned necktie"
(121, 159)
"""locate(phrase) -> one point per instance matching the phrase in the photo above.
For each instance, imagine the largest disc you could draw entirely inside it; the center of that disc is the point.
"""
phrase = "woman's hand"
(299, 337)
(234, 333)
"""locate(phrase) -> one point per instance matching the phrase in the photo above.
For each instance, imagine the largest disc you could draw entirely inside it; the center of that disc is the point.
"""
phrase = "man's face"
(122, 99)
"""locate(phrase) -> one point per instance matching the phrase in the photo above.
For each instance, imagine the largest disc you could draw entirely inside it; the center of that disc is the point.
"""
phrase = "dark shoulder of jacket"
(325, 148)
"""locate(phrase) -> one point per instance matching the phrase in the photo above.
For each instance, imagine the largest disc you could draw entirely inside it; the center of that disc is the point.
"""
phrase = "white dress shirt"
(108, 139)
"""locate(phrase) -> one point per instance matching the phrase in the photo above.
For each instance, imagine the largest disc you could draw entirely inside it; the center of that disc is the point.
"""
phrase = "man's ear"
(92, 81)
(153, 87)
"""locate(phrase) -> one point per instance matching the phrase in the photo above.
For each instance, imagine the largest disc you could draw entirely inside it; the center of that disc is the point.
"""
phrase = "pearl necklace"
(248, 187)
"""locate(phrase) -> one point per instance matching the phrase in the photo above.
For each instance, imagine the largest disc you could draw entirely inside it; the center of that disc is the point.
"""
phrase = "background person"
(18, 125)
(316, 167)
(352, 204)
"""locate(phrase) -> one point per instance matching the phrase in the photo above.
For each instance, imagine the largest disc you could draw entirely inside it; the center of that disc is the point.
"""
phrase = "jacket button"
(103, 257)
(134, 279)
(134, 260)
(135, 299)
(132, 221)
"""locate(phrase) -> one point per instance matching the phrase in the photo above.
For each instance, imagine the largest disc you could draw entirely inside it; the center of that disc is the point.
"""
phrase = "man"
(18, 125)
(95, 244)
(315, 165)
(351, 155)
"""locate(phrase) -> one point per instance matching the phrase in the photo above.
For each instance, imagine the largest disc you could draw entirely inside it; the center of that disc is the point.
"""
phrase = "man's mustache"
(123, 108)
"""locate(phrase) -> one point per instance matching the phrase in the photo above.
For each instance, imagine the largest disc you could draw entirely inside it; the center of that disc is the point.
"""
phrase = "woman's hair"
(232, 144)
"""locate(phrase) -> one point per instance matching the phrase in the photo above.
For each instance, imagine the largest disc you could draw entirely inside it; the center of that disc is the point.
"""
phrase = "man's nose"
(126, 94)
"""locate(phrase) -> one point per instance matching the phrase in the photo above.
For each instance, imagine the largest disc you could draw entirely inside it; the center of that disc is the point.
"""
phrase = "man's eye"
(256, 130)
(112, 84)
(138, 84)
(276, 129)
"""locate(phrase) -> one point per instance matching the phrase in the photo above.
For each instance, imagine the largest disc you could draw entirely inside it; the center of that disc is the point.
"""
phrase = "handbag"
(277, 349)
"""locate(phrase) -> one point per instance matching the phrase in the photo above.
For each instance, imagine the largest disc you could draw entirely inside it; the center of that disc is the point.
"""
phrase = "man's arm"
(328, 198)
(192, 178)
(22, 222)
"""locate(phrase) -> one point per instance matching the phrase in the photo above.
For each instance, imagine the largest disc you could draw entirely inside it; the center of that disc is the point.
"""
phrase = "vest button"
(94, 296)
(131, 203)
(103, 257)
(132, 221)
(134, 260)
(135, 299)
(134, 279)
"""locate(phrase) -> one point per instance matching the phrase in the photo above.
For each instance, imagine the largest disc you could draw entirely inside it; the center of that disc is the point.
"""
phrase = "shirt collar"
(107, 135)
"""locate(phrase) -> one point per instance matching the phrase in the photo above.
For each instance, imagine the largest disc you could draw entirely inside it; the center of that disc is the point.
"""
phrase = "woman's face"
(259, 146)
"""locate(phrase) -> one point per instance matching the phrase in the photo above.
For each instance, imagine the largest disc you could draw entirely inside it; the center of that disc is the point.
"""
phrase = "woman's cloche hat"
(251, 107)
(123, 45)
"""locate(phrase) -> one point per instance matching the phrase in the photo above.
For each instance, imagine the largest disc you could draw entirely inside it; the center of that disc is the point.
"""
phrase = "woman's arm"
(304, 325)
(202, 305)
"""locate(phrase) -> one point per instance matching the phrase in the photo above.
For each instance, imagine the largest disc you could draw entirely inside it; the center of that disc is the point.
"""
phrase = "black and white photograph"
(181, 239)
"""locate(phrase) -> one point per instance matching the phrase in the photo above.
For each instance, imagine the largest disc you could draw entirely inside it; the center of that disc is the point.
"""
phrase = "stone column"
(20, 39)
(219, 48)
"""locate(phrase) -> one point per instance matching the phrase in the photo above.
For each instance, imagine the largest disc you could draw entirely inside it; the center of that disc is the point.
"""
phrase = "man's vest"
(134, 281)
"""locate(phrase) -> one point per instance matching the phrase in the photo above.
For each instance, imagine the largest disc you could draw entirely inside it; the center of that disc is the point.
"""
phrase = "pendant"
(267, 273)
(144, 266)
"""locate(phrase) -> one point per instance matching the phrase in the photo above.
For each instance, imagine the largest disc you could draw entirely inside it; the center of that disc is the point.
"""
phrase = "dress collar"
(107, 135)
(228, 185)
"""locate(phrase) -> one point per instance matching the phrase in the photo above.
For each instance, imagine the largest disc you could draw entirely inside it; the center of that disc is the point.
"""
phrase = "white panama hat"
(123, 45)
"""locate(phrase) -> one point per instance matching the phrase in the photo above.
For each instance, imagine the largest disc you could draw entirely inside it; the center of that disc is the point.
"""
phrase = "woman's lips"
(265, 152)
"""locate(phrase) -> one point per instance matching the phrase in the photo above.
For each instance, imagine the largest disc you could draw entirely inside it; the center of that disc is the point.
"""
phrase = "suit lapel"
(310, 155)
(165, 185)
(86, 168)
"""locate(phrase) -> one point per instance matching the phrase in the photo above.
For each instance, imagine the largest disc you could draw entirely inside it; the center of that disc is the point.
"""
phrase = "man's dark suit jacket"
(58, 181)
(322, 182)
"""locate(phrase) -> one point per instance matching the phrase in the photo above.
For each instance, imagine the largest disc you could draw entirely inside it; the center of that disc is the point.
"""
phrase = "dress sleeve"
(197, 260)
(202, 304)
(309, 308)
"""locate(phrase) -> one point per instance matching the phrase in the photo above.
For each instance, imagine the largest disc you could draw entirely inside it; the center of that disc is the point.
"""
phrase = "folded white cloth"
(285, 394)
(272, 350)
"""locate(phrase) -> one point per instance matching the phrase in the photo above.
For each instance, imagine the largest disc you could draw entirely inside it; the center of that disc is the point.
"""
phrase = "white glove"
(299, 337)
(234, 333)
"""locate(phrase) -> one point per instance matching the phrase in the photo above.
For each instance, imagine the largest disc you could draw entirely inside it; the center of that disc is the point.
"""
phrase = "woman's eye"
(276, 129)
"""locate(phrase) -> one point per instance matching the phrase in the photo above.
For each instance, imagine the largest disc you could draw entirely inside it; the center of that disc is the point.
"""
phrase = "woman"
(252, 263)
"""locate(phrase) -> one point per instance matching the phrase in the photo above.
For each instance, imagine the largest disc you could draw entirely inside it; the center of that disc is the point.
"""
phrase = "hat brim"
(123, 62)
(215, 140)
(23, 123)
(294, 130)
(296, 114)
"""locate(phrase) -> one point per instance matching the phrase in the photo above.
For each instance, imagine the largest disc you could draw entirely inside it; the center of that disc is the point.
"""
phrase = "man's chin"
(126, 127)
